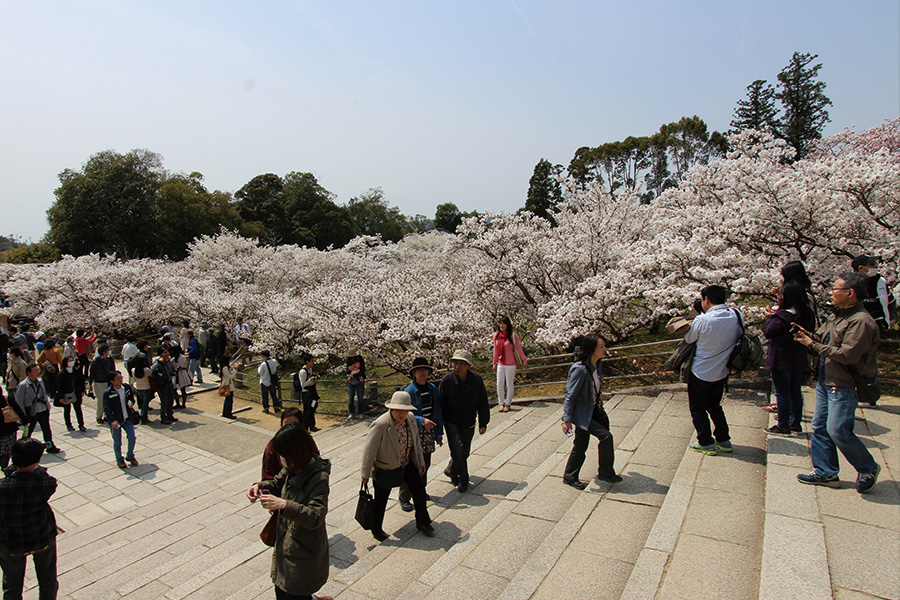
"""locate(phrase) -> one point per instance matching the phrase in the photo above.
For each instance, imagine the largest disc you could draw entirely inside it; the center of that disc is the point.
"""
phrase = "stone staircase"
(680, 525)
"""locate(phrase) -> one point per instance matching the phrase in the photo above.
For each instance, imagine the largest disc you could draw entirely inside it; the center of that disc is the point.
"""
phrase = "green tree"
(313, 213)
(37, 253)
(758, 110)
(689, 143)
(107, 206)
(371, 215)
(293, 210)
(420, 224)
(803, 101)
(544, 191)
(185, 210)
(447, 217)
(129, 205)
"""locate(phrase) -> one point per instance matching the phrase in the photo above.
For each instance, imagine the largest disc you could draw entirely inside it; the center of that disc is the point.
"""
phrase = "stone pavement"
(681, 525)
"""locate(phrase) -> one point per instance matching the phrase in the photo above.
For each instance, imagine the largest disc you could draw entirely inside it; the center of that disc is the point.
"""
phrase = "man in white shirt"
(268, 380)
(129, 351)
(241, 330)
(715, 332)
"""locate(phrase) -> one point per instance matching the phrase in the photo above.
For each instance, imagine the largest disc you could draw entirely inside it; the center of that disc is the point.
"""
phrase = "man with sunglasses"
(847, 345)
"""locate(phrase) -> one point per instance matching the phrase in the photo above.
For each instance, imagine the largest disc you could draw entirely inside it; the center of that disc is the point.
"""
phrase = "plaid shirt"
(26, 519)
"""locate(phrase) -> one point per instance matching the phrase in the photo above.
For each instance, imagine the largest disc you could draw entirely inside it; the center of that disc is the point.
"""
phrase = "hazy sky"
(432, 101)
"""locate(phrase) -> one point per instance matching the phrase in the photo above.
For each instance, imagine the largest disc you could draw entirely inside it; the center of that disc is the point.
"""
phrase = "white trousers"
(506, 375)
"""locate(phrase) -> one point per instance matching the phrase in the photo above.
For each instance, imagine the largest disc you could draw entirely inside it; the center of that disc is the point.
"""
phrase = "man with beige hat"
(463, 397)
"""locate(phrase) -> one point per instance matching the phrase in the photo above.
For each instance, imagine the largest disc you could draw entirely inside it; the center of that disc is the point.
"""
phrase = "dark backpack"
(748, 351)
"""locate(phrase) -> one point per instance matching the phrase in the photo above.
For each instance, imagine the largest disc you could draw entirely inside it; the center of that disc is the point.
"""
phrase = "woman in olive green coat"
(300, 494)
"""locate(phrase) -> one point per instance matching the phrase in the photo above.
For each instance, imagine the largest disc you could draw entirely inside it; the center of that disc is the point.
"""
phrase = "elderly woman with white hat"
(393, 454)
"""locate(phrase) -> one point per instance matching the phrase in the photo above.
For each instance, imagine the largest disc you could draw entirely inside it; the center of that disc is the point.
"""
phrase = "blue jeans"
(144, 398)
(267, 392)
(789, 396)
(355, 388)
(194, 369)
(128, 426)
(832, 426)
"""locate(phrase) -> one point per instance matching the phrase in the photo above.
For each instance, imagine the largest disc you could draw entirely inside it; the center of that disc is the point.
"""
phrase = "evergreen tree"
(758, 110)
(544, 192)
(804, 102)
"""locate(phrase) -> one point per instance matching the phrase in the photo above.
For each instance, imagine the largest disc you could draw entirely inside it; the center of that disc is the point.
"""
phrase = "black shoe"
(454, 479)
(277, 409)
(53, 450)
(380, 535)
(70, 428)
(229, 416)
(613, 478)
(173, 419)
(165, 422)
(462, 487)
(266, 410)
(796, 428)
(575, 483)
(82, 428)
(427, 530)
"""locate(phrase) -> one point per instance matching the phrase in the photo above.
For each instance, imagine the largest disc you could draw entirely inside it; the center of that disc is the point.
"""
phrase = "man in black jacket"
(27, 524)
(118, 406)
(463, 397)
(99, 376)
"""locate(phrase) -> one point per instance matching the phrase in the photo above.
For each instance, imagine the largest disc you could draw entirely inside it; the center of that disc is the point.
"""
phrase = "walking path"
(680, 525)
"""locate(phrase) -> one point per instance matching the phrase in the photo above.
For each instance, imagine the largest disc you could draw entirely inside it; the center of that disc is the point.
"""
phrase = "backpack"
(159, 378)
(748, 351)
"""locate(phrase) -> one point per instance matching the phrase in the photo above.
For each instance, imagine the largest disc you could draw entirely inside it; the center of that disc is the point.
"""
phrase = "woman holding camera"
(786, 358)
(300, 495)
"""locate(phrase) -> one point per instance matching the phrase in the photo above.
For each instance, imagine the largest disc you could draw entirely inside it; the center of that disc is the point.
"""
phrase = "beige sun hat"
(463, 355)
(400, 401)
(678, 325)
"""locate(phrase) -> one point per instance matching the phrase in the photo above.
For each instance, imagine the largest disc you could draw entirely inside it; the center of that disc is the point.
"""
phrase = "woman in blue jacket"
(583, 412)
(424, 396)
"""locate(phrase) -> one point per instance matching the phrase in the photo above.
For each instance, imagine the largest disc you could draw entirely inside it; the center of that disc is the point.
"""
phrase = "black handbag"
(389, 478)
(365, 506)
(868, 388)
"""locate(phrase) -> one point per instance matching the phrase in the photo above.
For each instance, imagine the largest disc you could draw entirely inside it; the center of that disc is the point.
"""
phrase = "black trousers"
(42, 419)
(67, 413)
(405, 493)
(166, 400)
(280, 594)
(227, 405)
(599, 428)
(705, 402)
(44, 569)
(309, 413)
(460, 441)
(411, 478)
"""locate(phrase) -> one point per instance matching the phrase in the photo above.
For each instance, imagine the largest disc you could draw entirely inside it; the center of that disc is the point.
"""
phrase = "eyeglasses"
(837, 289)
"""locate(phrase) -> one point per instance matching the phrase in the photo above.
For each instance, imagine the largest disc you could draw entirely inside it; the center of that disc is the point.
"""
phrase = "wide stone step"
(825, 542)
(706, 539)
(518, 532)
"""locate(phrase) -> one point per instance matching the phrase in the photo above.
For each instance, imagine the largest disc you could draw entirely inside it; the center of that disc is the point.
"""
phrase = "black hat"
(420, 363)
(863, 259)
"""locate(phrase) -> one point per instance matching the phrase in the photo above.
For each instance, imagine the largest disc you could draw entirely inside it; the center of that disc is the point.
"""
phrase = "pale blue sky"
(432, 101)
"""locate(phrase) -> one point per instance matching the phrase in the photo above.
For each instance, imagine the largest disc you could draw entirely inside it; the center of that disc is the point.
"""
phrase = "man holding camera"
(848, 349)
(715, 332)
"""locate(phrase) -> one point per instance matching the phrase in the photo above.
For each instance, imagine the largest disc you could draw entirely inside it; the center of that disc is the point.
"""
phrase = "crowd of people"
(841, 351)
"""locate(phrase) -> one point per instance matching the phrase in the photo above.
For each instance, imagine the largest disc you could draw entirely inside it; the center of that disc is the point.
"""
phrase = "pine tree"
(803, 101)
(758, 110)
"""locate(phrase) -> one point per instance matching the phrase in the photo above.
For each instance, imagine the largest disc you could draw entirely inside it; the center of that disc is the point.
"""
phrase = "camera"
(698, 306)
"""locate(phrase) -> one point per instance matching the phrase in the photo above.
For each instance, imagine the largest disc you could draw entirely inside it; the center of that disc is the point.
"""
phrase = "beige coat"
(383, 445)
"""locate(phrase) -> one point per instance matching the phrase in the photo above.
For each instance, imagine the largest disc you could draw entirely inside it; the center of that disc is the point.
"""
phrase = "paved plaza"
(680, 525)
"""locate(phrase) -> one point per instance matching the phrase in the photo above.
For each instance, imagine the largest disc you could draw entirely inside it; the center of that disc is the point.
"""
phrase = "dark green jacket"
(300, 560)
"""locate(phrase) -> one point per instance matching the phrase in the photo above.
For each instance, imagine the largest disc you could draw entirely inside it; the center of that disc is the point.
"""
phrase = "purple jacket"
(783, 353)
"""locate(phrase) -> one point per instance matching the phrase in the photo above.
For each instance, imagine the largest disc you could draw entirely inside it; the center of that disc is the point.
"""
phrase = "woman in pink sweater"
(506, 347)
